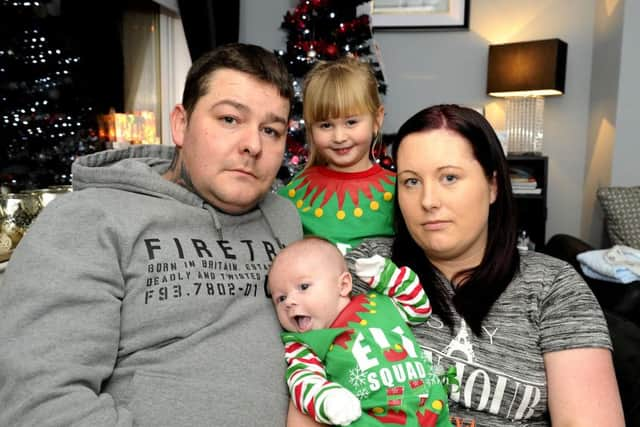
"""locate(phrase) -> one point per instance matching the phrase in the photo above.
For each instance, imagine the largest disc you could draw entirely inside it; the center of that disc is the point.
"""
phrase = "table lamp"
(524, 73)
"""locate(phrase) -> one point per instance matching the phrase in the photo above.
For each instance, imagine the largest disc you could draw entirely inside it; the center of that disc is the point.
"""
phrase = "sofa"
(619, 301)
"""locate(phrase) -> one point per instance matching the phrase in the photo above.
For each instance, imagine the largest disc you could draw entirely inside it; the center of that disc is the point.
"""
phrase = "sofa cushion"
(621, 207)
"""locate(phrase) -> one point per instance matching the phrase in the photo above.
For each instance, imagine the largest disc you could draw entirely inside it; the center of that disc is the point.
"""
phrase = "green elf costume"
(344, 207)
(370, 351)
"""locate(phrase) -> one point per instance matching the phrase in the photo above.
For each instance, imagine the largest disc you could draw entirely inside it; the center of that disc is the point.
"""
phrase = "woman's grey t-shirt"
(547, 307)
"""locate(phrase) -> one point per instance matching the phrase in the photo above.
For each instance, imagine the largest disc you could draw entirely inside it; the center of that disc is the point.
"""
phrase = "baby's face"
(308, 295)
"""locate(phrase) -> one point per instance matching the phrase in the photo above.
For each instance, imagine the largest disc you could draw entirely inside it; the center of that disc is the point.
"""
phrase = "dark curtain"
(94, 33)
(209, 23)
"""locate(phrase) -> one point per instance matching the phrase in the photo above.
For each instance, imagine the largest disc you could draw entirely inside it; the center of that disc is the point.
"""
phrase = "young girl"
(342, 195)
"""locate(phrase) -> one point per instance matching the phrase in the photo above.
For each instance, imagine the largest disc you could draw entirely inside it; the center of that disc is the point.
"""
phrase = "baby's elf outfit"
(344, 207)
(371, 351)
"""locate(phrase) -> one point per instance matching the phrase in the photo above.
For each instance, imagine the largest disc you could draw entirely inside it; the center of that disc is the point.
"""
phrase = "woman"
(525, 333)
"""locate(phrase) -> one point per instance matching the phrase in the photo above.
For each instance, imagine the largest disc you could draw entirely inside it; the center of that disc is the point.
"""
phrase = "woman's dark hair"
(478, 288)
(247, 58)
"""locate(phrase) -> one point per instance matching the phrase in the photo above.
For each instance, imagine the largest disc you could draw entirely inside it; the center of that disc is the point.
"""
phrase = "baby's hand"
(341, 407)
(369, 268)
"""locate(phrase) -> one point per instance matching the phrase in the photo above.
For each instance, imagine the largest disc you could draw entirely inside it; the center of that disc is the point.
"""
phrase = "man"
(140, 298)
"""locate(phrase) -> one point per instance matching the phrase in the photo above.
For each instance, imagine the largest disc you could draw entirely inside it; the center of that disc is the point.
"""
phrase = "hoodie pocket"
(165, 400)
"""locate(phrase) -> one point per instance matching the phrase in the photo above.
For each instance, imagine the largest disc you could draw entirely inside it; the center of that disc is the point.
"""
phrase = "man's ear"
(179, 121)
(346, 284)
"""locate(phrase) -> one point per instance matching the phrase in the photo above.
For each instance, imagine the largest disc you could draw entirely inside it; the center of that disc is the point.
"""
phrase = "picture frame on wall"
(419, 14)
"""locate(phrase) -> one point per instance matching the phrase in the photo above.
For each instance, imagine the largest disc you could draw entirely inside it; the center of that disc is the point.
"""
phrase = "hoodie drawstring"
(265, 215)
(218, 225)
(216, 220)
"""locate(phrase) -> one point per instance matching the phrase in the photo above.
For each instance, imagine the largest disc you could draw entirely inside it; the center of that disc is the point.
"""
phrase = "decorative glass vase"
(524, 124)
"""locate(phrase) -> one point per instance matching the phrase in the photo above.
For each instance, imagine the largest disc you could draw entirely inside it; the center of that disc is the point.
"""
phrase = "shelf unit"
(531, 209)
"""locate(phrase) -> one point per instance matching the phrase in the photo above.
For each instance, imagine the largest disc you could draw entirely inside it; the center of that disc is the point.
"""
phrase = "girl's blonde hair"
(340, 88)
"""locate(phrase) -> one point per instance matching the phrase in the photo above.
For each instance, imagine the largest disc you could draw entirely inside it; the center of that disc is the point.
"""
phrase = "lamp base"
(524, 124)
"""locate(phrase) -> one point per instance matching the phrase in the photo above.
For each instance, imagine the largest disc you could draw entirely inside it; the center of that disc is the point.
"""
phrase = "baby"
(354, 360)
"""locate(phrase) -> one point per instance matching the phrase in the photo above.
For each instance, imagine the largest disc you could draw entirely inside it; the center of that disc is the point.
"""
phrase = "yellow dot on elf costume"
(292, 192)
(374, 205)
(373, 295)
(299, 203)
(398, 347)
(357, 212)
(318, 212)
(341, 215)
(331, 347)
(437, 405)
(373, 311)
(387, 196)
(377, 410)
(363, 322)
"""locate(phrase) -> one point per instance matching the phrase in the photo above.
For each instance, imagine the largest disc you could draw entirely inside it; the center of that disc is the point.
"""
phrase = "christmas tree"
(51, 93)
(321, 30)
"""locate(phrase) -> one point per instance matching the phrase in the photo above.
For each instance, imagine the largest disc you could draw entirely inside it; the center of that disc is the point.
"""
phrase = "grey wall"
(424, 68)
(626, 152)
(260, 22)
(605, 71)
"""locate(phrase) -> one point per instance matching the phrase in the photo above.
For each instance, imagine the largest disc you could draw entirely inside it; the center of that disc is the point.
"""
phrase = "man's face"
(232, 145)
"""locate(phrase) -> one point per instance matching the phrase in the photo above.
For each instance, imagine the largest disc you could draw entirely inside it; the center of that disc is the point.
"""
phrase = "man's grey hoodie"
(131, 301)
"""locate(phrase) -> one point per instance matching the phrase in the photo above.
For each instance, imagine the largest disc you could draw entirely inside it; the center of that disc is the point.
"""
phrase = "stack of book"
(523, 181)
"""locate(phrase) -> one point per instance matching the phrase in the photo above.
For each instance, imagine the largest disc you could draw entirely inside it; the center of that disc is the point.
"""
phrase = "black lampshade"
(527, 68)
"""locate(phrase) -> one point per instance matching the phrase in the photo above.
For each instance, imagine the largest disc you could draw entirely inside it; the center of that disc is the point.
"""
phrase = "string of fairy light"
(36, 43)
(45, 120)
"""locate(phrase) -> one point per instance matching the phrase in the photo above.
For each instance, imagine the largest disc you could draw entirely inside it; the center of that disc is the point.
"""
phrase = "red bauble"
(387, 162)
(332, 50)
